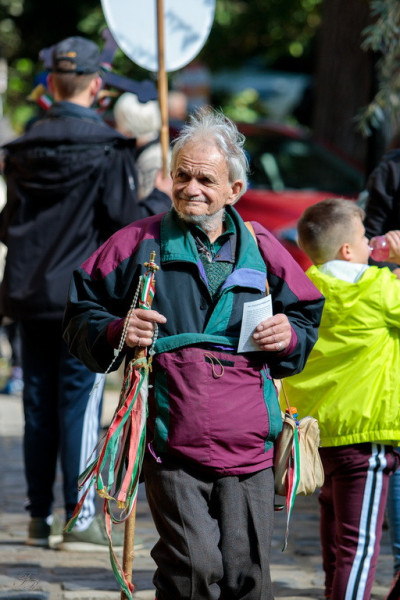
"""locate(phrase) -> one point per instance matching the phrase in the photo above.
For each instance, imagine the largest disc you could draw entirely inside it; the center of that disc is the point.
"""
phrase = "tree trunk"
(344, 76)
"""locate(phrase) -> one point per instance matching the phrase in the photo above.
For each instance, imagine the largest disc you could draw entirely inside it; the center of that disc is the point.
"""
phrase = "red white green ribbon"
(292, 479)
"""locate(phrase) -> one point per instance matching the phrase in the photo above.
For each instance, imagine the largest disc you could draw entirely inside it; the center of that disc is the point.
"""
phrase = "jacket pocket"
(215, 408)
(181, 414)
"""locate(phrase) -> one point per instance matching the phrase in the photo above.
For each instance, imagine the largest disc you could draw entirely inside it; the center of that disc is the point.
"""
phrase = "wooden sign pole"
(162, 87)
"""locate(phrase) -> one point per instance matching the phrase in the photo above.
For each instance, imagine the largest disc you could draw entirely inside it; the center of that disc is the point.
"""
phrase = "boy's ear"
(344, 252)
(95, 86)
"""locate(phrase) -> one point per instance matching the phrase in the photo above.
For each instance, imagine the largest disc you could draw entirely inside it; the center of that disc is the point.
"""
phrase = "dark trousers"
(215, 533)
(352, 502)
(60, 421)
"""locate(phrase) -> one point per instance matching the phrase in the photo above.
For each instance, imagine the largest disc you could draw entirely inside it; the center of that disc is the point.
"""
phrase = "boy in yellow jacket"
(351, 384)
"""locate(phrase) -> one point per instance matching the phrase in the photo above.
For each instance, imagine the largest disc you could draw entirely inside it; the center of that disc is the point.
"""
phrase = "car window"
(270, 167)
(279, 162)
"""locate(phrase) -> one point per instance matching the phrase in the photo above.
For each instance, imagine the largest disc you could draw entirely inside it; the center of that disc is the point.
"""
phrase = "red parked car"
(289, 171)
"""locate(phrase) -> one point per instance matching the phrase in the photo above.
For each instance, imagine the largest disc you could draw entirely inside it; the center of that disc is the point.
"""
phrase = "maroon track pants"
(352, 503)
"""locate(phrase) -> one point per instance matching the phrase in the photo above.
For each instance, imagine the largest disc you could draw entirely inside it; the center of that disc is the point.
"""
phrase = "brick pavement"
(28, 573)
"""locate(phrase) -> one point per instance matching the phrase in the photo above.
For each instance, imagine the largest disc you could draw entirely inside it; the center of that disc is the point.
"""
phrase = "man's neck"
(83, 99)
(212, 225)
(214, 235)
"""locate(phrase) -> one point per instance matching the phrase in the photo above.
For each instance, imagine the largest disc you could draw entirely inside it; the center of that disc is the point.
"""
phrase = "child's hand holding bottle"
(386, 248)
(393, 240)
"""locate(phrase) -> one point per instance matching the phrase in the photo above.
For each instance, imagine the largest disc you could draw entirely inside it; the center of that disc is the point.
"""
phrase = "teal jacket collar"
(177, 244)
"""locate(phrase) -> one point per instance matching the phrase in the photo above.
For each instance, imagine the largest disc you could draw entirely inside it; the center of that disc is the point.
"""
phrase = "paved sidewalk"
(28, 573)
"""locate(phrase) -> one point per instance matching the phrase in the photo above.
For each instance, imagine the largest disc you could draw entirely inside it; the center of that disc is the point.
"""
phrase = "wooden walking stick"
(140, 362)
(130, 524)
(129, 554)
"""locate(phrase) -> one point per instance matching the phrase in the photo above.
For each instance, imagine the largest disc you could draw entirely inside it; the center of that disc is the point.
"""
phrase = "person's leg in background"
(79, 422)
(61, 418)
(14, 384)
(393, 515)
(41, 434)
(80, 405)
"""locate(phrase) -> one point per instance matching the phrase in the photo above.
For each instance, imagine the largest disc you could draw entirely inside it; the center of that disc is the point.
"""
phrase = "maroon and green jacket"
(208, 405)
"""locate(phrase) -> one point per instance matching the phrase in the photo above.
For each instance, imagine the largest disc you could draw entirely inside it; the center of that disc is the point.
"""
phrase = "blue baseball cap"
(76, 55)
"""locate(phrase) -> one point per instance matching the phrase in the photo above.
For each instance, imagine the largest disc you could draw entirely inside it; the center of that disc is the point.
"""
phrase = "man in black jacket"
(71, 183)
(382, 210)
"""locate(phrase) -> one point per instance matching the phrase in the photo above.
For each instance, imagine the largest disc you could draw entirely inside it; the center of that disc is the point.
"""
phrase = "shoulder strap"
(251, 229)
(253, 233)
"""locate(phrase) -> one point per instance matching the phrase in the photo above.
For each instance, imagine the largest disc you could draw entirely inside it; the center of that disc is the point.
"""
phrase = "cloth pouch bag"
(297, 463)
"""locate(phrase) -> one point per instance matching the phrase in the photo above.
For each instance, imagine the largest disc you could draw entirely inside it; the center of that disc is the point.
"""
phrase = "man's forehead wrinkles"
(197, 166)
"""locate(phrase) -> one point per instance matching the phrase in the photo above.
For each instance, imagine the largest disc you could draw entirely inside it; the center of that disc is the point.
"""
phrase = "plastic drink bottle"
(379, 248)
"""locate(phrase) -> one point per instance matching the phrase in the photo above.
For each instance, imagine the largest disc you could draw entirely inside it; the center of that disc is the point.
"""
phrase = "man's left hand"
(274, 334)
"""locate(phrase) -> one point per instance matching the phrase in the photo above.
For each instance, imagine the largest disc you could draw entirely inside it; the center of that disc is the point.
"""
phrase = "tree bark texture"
(344, 76)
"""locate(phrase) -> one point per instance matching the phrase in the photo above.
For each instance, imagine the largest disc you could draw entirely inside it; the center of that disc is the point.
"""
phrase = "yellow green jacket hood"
(351, 381)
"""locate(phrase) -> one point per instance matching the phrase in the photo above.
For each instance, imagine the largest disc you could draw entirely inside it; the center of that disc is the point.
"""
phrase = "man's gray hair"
(209, 124)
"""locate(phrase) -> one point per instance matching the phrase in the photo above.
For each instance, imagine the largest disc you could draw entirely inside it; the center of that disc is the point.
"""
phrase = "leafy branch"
(382, 38)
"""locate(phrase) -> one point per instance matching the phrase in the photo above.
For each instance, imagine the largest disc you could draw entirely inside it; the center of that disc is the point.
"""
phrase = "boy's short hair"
(324, 227)
(75, 63)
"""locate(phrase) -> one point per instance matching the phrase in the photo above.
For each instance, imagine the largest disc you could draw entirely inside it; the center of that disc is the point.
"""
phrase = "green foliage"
(382, 38)
(245, 106)
(275, 31)
(20, 75)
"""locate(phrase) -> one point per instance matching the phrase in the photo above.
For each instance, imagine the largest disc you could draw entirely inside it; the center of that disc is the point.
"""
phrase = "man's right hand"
(141, 327)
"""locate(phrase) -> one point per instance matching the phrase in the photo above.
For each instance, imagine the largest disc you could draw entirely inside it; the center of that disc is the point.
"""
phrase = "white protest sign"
(133, 25)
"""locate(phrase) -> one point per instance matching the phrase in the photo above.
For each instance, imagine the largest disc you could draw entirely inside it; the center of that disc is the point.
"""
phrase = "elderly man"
(213, 412)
